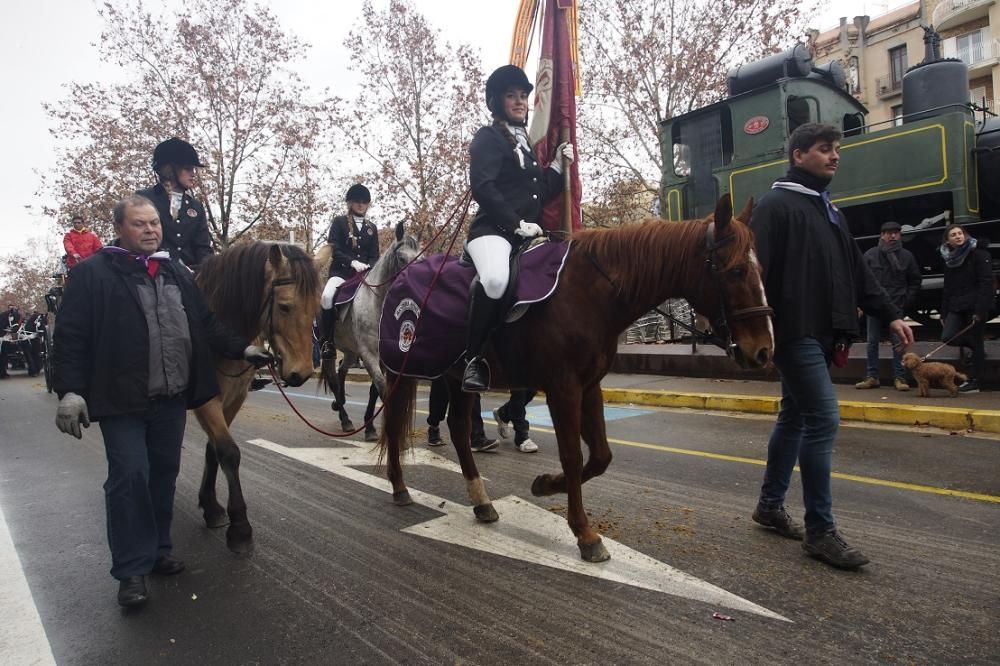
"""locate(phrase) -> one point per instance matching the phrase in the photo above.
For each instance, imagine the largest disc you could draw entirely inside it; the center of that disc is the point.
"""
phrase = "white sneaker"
(504, 428)
(527, 446)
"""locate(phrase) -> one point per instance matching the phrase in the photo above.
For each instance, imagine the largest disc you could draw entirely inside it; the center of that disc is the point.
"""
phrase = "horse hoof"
(594, 552)
(540, 486)
(485, 513)
(239, 539)
(346, 426)
(371, 435)
(402, 498)
(216, 520)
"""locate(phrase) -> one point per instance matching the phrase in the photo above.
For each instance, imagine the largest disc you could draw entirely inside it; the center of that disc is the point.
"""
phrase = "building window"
(897, 66)
(897, 115)
(970, 47)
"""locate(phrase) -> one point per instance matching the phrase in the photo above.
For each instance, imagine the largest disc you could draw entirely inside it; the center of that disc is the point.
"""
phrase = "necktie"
(831, 210)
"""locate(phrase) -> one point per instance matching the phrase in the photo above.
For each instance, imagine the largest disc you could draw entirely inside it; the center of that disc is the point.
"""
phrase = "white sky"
(46, 43)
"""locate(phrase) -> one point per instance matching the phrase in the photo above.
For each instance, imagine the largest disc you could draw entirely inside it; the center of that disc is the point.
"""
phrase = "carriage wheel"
(47, 361)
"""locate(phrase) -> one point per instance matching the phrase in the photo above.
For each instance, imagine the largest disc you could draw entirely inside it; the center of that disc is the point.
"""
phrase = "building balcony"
(980, 56)
(886, 87)
(951, 13)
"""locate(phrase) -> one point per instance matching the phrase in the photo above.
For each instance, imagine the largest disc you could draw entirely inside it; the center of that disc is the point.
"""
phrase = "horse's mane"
(662, 247)
(235, 283)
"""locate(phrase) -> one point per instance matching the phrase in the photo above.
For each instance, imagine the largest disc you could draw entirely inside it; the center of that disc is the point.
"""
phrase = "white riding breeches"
(491, 255)
(326, 300)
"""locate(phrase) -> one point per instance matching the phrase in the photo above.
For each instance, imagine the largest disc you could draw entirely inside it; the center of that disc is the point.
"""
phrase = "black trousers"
(438, 409)
(973, 338)
(514, 411)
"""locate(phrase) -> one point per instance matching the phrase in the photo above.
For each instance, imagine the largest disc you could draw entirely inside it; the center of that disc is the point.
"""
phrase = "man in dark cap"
(896, 270)
(182, 217)
(355, 248)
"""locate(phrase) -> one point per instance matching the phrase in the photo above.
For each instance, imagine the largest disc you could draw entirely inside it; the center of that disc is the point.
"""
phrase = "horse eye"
(284, 307)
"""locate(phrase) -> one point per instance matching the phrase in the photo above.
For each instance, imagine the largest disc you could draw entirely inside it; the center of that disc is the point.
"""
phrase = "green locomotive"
(939, 165)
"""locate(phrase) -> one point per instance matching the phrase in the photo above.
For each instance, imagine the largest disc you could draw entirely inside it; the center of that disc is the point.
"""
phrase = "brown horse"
(565, 345)
(263, 292)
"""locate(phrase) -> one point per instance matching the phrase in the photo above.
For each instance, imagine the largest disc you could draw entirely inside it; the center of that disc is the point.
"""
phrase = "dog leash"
(946, 342)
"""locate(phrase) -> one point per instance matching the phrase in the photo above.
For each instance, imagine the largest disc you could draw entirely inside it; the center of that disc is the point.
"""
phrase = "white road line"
(525, 532)
(22, 636)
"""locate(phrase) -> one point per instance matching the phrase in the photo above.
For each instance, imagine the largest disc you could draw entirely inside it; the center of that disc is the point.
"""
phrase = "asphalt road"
(336, 579)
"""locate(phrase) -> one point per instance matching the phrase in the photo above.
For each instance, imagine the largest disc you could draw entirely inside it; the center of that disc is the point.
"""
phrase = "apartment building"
(876, 52)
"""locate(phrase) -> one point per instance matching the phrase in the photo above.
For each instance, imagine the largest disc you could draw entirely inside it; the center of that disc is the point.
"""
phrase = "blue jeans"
(805, 430)
(144, 456)
(875, 329)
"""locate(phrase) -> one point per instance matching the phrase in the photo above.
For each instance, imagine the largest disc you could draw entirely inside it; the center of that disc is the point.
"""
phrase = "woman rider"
(355, 248)
(510, 187)
(967, 296)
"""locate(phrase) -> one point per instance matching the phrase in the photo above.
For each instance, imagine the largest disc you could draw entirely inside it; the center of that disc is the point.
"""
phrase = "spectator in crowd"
(80, 242)
(11, 321)
(815, 278)
(437, 410)
(182, 217)
(897, 271)
(967, 298)
(514, 413)
(135, 343)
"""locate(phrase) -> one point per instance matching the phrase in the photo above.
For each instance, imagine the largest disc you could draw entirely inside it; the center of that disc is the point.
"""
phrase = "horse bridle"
(721, 334)
(268, 307)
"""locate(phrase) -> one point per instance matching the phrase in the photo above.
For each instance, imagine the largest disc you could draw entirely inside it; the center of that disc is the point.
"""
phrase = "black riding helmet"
(358, 193)
(177, 152)
(500, 81)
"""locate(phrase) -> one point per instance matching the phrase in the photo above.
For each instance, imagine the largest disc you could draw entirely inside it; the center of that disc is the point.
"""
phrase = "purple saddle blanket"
(424, 339)
(347, 290)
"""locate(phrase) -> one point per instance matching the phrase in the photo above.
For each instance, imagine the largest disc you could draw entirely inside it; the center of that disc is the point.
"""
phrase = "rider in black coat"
(354, 240)
(182, 216)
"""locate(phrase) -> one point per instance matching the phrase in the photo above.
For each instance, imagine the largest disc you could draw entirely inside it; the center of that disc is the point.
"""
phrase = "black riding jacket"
(186, 237)
(505, 191)
(351, 243)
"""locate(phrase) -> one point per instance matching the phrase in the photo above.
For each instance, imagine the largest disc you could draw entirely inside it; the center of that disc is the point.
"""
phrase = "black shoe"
(168, 565)
(780, 521)
(327, 350)
(132, 591)
(832, 549)
(477, 376)
(434, 436)
(485, 445)
(970, 386)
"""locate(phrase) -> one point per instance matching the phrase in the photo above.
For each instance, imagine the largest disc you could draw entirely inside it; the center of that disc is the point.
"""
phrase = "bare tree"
(406, 132)
(27, 276)
(214, 74)
(644, 61)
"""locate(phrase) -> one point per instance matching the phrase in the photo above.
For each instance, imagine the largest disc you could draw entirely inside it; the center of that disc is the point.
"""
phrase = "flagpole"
(567, 216)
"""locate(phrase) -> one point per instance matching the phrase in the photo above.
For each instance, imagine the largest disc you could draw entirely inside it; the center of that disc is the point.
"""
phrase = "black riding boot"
(483, 314)
(328, 322)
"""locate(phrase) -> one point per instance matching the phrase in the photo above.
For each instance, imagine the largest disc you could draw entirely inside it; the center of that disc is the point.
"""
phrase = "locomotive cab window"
(852, 124)
(705, 140)
(801, 110)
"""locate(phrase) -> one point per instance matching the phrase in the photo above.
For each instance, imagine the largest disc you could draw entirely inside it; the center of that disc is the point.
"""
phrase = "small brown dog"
(926, 373)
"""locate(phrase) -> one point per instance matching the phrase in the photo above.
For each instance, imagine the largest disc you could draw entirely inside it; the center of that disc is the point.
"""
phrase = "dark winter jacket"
(814, 274)
(186, 237)
(969, 286)
(506, 192)
(351, 243)
(101, 345)
(902, 284)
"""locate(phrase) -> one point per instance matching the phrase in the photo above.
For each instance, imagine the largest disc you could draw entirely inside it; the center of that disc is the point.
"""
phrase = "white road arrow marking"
(525, 532)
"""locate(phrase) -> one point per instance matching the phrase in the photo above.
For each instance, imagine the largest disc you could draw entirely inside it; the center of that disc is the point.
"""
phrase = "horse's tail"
(397, 413)
(321, 259)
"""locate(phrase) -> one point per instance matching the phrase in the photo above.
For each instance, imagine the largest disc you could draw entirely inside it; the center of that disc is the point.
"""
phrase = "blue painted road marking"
(539, 414)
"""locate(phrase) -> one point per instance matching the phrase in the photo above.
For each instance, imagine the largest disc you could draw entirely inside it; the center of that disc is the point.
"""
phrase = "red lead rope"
(463, 204)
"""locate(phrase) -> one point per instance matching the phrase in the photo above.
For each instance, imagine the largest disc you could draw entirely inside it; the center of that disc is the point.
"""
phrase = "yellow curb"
(949, 418)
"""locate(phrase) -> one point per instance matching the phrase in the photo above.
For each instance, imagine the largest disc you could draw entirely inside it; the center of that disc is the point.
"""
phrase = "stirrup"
(476, 378)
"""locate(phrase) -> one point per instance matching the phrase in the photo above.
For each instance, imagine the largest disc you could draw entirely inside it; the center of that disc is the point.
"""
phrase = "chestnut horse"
(565, 345)
(263, 292)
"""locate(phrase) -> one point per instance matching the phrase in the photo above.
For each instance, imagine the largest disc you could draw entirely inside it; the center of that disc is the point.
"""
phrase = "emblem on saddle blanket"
(420, 339)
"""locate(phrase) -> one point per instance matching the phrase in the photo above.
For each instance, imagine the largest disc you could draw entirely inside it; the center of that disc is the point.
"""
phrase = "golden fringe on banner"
(523, 29)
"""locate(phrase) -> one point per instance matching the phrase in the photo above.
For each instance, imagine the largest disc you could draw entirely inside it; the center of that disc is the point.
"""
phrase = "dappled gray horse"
(356, 334)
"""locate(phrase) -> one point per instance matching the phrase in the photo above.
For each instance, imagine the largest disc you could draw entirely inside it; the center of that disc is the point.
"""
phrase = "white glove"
(358, 266)
(257, 355)
(565, 150)
(528, 230)
(71, 413)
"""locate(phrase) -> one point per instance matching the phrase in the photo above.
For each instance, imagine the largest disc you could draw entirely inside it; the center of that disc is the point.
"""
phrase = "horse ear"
(747, 212)
(399, 230)
(274, 256)
(723, 212)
